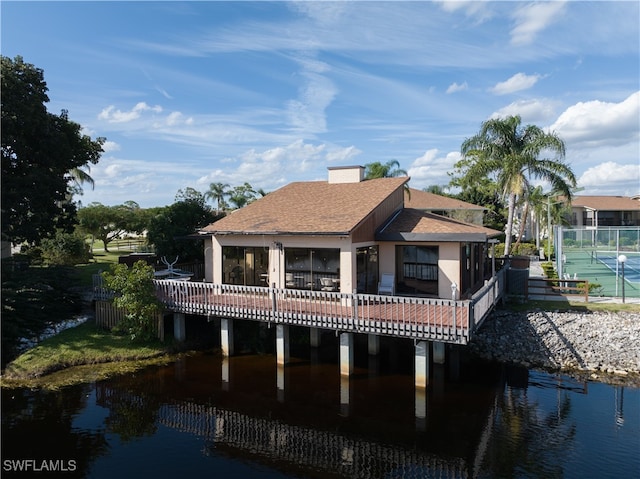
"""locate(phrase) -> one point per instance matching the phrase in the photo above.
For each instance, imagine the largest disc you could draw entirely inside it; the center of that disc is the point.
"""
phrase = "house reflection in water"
(303, 429)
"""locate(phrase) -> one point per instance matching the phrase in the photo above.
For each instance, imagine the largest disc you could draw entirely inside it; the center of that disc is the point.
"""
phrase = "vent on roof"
(346, 174)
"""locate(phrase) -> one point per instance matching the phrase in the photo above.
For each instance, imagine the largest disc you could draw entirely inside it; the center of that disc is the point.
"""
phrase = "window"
(418, 269)
(304, 267)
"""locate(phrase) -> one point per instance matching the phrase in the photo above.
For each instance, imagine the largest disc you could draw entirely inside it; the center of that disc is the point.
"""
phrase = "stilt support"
(422, 364)
(438, 352)
(179, 331)
(374, 344)
(226, 336)
(282, 344)
(314, 337)
(346, 354)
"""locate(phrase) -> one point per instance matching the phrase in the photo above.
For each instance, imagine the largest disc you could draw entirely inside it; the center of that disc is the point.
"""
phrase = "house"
(343, 235)
(599, 211)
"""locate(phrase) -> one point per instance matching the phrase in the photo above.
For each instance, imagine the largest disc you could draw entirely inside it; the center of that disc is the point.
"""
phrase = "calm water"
(207, 417)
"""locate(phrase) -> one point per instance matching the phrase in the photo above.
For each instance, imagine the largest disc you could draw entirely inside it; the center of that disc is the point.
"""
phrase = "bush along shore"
(598, 345)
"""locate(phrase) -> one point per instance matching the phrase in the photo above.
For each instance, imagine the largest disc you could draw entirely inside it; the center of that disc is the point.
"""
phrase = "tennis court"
(592, 254)
(603, 268)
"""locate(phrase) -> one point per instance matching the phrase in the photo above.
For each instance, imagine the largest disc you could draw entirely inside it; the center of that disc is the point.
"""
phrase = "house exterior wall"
(213, 268)
(449, 268)
(448, 263)
(366, 230)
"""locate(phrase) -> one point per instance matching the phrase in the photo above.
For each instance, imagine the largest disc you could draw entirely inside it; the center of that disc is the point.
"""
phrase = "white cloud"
(611, 178)
(110, 146)
(471, 8)
(431, 169)
(454, 87)
(270, 168)
(113, 115)
(531, 111)
(517, 82)
(307, 113)
(531, 19)
(596, 123)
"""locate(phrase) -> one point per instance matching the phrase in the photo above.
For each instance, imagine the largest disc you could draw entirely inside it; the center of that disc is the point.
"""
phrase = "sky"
(193, 93)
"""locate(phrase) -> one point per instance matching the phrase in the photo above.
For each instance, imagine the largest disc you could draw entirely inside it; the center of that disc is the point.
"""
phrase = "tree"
(135, 293)
(39, 153)
(65, 249)
(513, 155)
(218, 192)
(170, 228)
(107, 223)
(242, 195)
(389, 170)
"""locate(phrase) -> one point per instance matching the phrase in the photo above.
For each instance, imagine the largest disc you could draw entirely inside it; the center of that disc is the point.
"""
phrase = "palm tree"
(513, 154)
(390, 169)
(378, 170)
(242, 195)
(217, 193)
(78, 177)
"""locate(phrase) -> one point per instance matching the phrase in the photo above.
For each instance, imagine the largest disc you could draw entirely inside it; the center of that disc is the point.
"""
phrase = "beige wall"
(276, 257)
(448, 262)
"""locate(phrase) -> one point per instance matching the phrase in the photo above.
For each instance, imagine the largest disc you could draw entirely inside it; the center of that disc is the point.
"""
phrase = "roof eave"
(434, 237)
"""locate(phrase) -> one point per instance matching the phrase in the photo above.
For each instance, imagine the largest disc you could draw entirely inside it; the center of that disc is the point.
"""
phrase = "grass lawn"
(99, 352)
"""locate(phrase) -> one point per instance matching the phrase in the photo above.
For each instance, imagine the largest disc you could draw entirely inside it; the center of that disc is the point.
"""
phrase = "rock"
(569, 340)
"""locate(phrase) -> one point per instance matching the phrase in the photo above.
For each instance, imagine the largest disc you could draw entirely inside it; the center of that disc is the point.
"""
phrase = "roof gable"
(313, 207)
(423, 200)
(416, 225)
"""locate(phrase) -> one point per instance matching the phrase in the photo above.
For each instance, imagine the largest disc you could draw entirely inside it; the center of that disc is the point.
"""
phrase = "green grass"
(84, 344)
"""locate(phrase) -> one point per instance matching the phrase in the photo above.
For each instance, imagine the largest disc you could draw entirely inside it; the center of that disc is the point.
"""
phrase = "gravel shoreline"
(597, 345)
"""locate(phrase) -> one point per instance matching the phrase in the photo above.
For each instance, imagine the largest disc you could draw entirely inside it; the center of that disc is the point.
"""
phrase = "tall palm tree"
(78, 177)
(390, 169)
(377, 170)
(516, 155)
(242, 195)
(217, 192)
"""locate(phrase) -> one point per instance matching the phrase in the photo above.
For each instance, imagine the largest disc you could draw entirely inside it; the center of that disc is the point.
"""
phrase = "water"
(208, 417)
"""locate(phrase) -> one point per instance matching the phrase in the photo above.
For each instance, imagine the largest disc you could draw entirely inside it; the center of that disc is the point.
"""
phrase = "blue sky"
(193, 93)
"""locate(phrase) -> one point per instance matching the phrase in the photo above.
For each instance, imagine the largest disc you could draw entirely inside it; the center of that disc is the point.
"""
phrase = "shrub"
(135, 293)
(65, 249)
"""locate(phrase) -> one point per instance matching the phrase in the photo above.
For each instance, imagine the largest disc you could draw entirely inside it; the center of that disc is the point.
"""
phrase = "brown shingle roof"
(424, 200)
(606, 203)
(313, 207)
(417, 225)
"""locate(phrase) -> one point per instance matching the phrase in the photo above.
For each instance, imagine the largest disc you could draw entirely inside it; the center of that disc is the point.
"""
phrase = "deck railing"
(400, 316)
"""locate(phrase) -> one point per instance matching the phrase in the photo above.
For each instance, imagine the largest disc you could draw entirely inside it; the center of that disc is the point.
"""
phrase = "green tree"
(65, 249)
(33, 300)
(483, 192)
(170, 229)
(515, 155)
(135, 293)
(218, 192)
(40, 152)
(106, 223)
(242, 195)
(388, 170)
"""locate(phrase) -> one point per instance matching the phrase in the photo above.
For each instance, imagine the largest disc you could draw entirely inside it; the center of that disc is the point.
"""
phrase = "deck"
(398, 316)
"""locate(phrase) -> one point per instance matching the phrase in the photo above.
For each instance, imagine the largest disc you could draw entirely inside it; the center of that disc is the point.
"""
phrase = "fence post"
(586, 291)
(355, 305)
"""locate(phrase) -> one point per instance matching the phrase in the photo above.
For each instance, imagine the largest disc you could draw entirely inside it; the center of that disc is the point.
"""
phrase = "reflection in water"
(245, 416)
